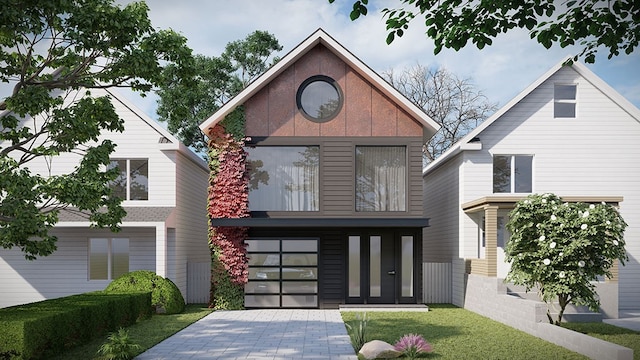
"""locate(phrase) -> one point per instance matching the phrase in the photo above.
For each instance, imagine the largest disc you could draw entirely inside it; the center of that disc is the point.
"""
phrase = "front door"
(382, 269)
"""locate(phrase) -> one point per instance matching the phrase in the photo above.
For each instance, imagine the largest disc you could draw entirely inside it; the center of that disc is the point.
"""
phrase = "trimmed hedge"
(165, 295)
(50, 327)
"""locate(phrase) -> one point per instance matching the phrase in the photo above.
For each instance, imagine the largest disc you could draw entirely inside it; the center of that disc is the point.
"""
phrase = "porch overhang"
(508, 202)
(490, 205)
(323, 222)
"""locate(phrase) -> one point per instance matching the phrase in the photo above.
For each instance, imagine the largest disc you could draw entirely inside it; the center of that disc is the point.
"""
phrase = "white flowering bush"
(560, 248)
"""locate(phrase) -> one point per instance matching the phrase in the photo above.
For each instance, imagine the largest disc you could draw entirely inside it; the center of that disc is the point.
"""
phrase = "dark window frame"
(324, 79)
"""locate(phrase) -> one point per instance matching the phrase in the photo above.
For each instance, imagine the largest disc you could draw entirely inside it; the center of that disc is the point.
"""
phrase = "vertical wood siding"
(366, 111)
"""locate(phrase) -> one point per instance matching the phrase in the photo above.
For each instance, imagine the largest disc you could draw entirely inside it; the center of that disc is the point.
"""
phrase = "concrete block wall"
(487, 296)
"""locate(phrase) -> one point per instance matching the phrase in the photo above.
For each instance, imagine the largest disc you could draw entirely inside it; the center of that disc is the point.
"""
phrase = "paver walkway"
(260, 335)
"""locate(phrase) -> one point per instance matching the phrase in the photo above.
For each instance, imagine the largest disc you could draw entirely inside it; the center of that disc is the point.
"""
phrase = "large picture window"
(132, 182)
(512, 174)
(381, 178)
(108, 258)
(284, 178)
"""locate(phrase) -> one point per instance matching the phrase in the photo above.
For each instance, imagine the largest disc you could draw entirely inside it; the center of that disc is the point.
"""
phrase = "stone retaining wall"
(487, 296)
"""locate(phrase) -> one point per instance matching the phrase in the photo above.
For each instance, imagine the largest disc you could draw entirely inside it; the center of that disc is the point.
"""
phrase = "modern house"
(164, 186)
(568, 133)
(336, 198)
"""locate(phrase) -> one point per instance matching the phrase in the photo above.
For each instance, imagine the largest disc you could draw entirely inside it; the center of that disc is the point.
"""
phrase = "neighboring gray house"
(165, 189)
(568, 133)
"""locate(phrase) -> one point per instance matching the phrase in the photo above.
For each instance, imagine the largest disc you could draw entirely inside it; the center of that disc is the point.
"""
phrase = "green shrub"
(46, 328)
(165, 295)
(225, 294)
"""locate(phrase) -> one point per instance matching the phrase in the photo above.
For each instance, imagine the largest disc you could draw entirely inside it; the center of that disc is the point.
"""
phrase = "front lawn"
(145, 333)
(456, 333)
(617, 335)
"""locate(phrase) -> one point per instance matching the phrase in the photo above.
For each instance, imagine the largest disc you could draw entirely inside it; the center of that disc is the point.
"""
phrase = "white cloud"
(501, 70)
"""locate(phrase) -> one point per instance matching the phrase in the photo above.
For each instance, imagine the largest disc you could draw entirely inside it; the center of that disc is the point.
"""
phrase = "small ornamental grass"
(358, 331)
(413, 346)
(119, 346)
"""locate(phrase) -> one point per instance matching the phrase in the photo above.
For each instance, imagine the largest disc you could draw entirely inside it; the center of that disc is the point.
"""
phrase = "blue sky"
(501, 70)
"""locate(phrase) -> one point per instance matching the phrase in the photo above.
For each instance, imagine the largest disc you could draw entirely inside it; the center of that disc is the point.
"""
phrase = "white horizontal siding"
(594, 154)
(192, 229)
(138, 141)
(65, 272)
(442, 205)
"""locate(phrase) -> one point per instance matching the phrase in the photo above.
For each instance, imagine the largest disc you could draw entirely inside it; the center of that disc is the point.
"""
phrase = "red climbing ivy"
(228, 198)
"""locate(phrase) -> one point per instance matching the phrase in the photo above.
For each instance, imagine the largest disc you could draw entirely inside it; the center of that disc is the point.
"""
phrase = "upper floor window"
(381, 178)
(133, 181)
(108, 258)
(564, 101)
(284, 178)
(512, 173)
(319, 98)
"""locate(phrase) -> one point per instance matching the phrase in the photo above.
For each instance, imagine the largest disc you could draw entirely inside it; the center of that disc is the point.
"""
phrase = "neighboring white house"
(165, 229)
(568, 133)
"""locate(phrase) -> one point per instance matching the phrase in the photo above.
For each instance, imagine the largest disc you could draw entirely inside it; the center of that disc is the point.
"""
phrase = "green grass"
(145, 333)
(457, 333)
(614, 334)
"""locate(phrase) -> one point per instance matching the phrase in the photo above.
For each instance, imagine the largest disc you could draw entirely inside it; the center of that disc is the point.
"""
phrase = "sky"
(500, 71)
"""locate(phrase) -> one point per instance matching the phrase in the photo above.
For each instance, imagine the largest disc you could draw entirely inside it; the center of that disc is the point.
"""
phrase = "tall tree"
(456, 104)
(612, 25)
(53, 52)
(217, 80)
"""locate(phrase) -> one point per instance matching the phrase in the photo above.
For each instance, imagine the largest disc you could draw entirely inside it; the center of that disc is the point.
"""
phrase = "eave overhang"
(322, 222)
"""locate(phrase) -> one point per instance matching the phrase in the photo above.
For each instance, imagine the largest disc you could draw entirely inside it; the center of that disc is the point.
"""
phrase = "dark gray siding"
(337, 175)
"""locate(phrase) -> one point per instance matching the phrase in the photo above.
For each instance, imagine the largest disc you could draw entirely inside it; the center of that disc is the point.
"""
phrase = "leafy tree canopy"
(593, 24)
(185, 105)
(54, 52)
(560, 248)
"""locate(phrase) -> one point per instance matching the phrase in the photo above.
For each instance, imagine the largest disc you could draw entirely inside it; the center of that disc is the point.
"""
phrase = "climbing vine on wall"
(228, 198)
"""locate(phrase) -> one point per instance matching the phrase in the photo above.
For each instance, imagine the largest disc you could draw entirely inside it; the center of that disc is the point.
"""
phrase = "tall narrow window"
(564, 101)
(381, 178)
(284, 178)
(354, 266)
(407, 266)
(375, 253)
(512, 173)
(108, 258)
(132, 182)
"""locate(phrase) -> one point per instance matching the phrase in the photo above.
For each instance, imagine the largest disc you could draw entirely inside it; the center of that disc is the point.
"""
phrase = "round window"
(319, 98)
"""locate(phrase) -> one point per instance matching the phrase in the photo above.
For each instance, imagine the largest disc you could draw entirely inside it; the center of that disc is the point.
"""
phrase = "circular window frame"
(319, 78)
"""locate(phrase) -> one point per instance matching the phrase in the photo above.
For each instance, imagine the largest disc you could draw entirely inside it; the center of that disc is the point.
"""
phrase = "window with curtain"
(108, 258)
(284, 178)
(381, 178)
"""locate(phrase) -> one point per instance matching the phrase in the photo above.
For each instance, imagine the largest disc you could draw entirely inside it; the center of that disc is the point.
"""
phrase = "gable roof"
(321, 37)
(166, 140)
(466, 143)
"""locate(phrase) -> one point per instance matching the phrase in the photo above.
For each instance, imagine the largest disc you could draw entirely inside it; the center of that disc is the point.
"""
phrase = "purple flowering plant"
(413, 346)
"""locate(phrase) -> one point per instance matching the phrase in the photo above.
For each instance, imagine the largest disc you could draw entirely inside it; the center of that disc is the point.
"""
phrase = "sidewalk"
(260, 335)
(629, 319)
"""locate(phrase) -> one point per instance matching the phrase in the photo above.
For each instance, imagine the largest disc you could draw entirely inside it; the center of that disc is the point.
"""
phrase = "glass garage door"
(282, 273)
